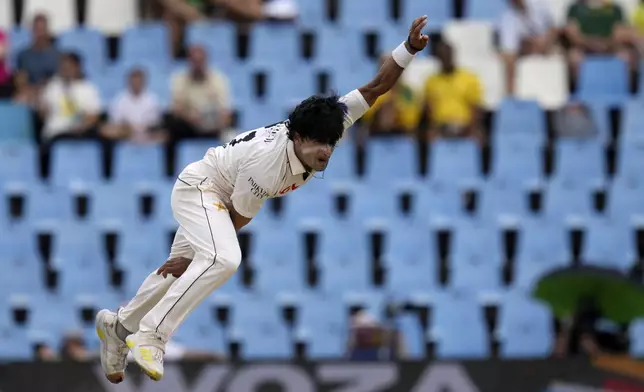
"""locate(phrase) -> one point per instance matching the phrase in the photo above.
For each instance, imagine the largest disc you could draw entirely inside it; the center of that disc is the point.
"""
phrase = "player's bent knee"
(229, 262)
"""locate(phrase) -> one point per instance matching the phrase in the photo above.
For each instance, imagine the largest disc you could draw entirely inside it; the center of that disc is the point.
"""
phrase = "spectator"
(454, 99)
(135, 114)
(638, 27)
(22, 91)
(73, 348)
(597, 27)
(41, 59)
(396, 112)
(370, 341)
(200, 99)
(5, 76)
(70, 104)
(44, 353)
(526, 28)
(253, 10)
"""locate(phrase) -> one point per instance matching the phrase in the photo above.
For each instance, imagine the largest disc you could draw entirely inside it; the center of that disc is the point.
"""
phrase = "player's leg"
(112, 329)
(210, 231)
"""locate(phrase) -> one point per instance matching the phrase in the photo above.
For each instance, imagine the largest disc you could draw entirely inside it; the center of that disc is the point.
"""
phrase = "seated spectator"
(135, 114)
(41, 59)
(371, 341)
(597, 27)
(5, 75)
(73, 348)
(44, 353)
(638, 27)
(253, 10)
(70, 104)
(526, 28)
(22, 91)
(396, 112)
(454, 99)
(200, 99)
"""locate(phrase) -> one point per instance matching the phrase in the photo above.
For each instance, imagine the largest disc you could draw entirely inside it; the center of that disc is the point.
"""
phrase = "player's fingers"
(419, 29)
(415, 23)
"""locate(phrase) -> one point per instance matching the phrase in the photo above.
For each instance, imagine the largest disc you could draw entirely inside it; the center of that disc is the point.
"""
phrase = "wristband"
(401, 56)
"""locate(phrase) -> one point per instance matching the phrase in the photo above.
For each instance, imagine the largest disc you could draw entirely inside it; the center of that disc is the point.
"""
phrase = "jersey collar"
(293, 161)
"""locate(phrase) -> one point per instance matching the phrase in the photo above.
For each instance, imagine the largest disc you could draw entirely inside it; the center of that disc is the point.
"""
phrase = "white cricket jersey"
(261, 163)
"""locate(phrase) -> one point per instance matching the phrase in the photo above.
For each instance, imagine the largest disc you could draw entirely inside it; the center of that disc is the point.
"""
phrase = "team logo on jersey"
(220, 206)
(257, 190)
(288, 189)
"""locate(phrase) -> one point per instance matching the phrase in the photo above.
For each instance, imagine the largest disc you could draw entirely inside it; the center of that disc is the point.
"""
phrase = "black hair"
(318, 118)
(76, 59)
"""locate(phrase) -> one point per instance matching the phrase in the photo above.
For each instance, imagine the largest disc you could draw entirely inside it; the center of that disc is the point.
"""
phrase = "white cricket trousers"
(207, 236)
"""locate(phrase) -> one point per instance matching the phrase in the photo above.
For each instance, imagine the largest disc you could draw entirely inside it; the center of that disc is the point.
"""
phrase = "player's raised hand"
(417, 41)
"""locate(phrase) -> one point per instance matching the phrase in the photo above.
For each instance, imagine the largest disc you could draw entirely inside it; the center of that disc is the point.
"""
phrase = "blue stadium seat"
(520, 121)
(516, 162)
(391, 159)
(148, 254)
(15, 344)
(632, 123)
(18, 244)
(135, 163)
(218, 38)
(89, 44)
(369, 207)
(312, 13)
(625, 201)
(337, 50)
(438, 202)
(476, 258)
(455, 162)
(364, 14)
(162, 207)
(53, 312)
(291, 85)
(27, 276)
(541, 246)
(603, 79)
(76, 163)
(279, 276)
(609, 244)
(458, 327)
(78, 244)
(410, 258)
(342, 165)
(599, 112)
(146, 41)
(525, 327)
(260, 114)
(630, 160)
(438, 12)
(19, 163)
(500, 201)
(484, 9)
(413, 336)
(48, 206)
(344, 257)
(579, 162)
(258, 323)
(19, 39)
(17, 124)
(200, 332)
(113, 206)
(297, 204)
(290, 251)
(565, 200)
(323, 324)
(75, 278)
(265, 52)
(636, 336)
(189, 151)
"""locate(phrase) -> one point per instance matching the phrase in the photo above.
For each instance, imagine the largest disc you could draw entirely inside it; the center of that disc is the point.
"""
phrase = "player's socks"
(121, 332)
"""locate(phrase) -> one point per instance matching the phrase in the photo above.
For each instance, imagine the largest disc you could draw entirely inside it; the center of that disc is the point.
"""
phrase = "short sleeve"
(248, 193)
(116, 110)
(357, 106)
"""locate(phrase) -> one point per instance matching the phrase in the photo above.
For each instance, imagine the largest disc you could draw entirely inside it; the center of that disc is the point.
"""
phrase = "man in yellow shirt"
(454, 99)
(396, 112)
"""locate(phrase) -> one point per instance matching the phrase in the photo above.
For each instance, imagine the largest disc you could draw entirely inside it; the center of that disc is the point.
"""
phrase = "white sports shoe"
(147, 350)
(113, 349)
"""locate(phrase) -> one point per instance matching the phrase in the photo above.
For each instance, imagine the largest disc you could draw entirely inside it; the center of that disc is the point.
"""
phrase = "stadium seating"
(362, 233)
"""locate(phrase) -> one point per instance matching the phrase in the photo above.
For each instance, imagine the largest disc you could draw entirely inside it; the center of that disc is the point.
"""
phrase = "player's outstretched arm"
(394, 65)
